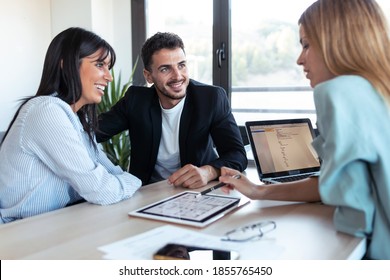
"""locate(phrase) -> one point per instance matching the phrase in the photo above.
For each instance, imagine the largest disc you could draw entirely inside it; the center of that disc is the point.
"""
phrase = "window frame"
(221, 35)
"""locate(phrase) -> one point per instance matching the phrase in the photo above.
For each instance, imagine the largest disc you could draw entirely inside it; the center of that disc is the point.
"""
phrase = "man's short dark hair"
(160, 40)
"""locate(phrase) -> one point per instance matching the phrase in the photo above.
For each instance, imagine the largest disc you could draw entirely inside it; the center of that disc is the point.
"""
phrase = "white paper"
(143, 246)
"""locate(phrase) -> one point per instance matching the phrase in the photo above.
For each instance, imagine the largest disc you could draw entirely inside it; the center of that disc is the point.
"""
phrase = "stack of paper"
(143, 246)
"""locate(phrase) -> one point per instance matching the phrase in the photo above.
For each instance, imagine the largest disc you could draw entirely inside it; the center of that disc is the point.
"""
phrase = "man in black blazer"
(179, 129)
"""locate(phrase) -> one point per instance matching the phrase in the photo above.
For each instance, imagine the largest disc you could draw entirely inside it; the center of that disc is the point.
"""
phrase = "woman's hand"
(301, 190)
(243, 185)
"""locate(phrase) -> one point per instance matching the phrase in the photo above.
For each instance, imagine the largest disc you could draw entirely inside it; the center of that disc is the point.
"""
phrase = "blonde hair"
(353, 38)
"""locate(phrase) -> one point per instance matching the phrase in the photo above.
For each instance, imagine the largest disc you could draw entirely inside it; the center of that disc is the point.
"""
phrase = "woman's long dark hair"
(61, 71)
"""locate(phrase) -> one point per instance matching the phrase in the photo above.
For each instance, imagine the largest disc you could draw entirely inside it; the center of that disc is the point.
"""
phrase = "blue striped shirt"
(48, 162)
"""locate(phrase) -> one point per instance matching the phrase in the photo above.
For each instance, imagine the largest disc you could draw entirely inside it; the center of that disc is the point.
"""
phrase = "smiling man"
(180, 130)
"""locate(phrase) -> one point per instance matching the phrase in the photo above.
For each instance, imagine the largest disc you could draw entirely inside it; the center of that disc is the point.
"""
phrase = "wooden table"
(304, 230)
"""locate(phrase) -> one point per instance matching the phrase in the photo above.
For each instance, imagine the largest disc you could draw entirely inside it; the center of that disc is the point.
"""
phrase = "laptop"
(282, 149)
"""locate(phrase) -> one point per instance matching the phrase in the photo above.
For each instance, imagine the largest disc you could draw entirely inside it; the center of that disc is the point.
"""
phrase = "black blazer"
(206, 121)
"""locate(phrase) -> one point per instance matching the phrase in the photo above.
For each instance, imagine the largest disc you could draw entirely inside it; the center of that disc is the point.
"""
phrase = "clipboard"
(187, 209)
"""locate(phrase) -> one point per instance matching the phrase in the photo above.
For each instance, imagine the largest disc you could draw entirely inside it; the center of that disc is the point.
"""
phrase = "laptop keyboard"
(292, 178)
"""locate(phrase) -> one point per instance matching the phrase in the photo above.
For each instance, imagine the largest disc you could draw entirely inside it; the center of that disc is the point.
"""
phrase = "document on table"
(144, 245)
(189, 209)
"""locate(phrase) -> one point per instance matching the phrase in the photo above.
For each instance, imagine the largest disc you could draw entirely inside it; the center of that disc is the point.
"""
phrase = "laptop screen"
(283, 147)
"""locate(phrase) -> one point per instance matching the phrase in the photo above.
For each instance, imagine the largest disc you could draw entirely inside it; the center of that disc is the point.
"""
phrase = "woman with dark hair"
(49, 157)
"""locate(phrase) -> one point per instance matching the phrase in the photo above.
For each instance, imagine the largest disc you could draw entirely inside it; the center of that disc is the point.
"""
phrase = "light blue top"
(47, 162)
(354, 141)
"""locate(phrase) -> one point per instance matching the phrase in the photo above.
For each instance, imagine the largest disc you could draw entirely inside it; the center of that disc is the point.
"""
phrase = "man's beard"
(174, 95)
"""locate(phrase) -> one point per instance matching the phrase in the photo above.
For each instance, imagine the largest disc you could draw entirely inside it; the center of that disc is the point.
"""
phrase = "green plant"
(117, 148)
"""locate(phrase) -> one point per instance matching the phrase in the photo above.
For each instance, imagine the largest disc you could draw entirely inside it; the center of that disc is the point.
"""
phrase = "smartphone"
(174, 251)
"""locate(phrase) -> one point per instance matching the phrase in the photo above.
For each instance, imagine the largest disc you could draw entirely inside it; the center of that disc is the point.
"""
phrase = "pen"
(217, 186)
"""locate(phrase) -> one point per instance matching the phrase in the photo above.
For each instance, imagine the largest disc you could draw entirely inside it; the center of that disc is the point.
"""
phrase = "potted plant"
(118, 147)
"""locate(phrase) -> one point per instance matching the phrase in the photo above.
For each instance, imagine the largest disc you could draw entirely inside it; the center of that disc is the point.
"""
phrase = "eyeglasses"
(250, 232)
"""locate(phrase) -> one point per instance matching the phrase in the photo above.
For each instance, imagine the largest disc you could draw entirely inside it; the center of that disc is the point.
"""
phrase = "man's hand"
(192, 177)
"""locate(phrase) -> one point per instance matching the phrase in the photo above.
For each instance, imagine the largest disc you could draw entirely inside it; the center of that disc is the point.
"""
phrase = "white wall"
(112, 21)
(24, 37)
(27, 27)
(69, 13)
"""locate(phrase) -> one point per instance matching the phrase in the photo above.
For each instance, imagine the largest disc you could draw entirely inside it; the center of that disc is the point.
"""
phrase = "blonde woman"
(345, 55)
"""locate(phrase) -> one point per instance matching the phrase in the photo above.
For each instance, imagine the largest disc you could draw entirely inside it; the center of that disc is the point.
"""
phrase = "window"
(264, 80)
(385, 5)
(192, 21)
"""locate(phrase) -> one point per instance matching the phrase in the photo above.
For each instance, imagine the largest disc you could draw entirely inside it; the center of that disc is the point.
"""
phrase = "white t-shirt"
(168, 158)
